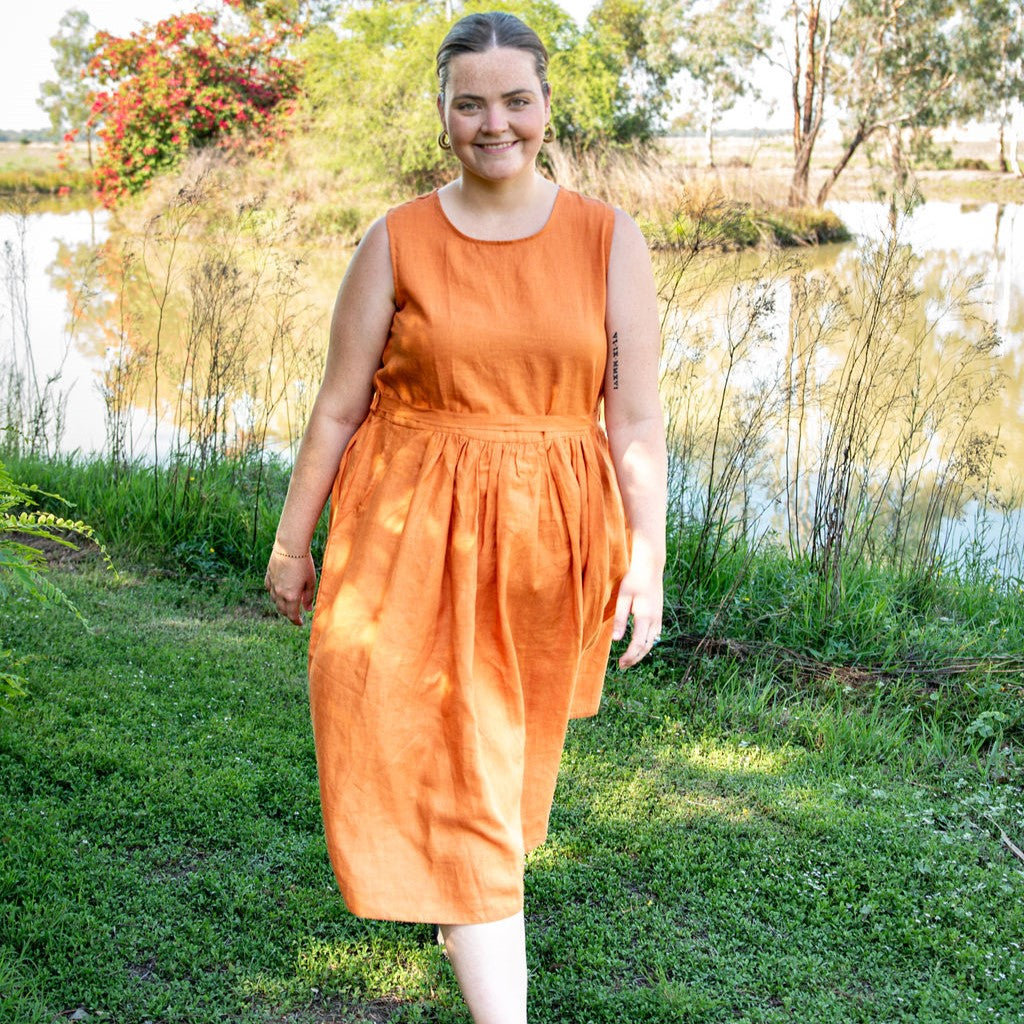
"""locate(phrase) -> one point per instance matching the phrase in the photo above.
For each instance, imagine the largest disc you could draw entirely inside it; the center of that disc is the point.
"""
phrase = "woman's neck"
(482, 197)
(498, 210)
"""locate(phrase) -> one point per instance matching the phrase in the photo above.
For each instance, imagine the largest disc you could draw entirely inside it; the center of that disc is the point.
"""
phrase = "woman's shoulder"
(583, 212)
(587, 205)
(419, 208)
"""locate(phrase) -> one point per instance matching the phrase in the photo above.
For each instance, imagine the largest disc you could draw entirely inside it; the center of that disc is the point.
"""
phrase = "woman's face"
(495, 110)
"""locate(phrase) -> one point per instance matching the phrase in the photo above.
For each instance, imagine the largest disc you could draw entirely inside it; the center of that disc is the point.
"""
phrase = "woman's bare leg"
(490, 965)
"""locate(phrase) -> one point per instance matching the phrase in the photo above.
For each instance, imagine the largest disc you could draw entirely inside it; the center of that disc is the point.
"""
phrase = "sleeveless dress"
(475, 545)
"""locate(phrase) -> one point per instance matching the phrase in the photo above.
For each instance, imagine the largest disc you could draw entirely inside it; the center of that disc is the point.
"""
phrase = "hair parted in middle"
(477, 33)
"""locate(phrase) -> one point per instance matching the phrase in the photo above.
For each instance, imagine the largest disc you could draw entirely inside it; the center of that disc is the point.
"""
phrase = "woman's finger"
(646, 634)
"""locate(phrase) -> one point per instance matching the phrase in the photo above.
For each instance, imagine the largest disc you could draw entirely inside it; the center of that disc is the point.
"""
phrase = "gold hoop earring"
(549, 132)
(444, 141)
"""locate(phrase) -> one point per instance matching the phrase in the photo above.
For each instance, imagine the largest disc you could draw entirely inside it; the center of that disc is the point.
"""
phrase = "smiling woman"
(487, 538)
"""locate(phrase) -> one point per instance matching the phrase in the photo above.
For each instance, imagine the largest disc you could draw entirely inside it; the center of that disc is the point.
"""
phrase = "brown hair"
(476, 33)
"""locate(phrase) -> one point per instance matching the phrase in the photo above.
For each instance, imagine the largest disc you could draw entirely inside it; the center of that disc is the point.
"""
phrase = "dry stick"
(1007, 841)
(814, 669)
(1009, 844)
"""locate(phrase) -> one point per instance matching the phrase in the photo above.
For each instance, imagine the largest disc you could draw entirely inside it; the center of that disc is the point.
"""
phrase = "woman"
(478, 564)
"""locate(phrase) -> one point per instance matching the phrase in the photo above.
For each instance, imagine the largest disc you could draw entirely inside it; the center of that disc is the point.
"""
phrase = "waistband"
(506, 426)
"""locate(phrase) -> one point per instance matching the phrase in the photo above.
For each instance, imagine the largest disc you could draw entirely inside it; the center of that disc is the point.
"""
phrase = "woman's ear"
(440, 109)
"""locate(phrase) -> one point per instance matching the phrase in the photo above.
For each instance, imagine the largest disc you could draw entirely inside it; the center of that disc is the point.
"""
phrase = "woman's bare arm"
(359, 330)
(636, 432)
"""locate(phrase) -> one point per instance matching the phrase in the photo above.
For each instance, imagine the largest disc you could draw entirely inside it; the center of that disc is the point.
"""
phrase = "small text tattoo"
(615, 361)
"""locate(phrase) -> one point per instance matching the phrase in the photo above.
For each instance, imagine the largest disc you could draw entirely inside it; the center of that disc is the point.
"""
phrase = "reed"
(32, 407)
(833, 422)
(677, 205)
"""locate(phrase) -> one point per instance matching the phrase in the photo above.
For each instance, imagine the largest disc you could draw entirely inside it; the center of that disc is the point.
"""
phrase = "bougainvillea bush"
(183, 83)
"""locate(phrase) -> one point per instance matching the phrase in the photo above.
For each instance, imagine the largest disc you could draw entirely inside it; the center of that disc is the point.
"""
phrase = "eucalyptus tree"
(993, 85)
(719, 43)
(886, 66)
(68, 98)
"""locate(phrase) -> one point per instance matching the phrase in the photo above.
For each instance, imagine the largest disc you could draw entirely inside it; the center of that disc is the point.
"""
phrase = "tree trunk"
(898, 159)
(799, 186)
(851, 147)
(709, 129)
(1016, 119)
(1004, 164)
(809, 85)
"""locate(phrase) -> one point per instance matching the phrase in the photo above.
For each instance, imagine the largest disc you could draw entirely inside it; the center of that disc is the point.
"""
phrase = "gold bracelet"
(284, 554)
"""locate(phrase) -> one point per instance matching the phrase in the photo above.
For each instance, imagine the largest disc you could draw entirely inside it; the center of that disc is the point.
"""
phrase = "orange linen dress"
(476, 542)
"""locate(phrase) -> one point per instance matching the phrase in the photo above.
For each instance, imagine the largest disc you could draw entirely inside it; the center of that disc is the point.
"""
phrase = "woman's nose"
(496, 121)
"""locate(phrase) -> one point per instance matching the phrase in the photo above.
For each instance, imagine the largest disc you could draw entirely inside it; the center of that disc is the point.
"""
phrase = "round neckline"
(499, 241)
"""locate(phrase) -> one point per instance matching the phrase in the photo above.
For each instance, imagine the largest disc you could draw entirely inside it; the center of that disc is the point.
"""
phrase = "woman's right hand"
(291, 583)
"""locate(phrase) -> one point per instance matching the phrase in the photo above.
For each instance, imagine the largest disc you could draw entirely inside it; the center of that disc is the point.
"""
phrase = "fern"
(23, 567)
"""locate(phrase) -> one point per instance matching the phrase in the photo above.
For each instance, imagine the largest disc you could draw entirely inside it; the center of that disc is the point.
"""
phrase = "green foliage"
(185, 83)
(371, 88)
(68, 99)
(22, 563)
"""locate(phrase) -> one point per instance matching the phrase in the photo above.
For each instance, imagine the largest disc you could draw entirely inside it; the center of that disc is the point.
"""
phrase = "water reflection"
(854, 400)
(782, 399)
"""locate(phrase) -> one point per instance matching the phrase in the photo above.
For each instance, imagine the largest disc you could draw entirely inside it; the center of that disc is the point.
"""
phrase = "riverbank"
(935, 644)
(725, 844)
(32, 169)
(679, 200)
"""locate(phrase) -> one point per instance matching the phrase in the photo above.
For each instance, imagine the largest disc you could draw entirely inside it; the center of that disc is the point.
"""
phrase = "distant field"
(32, 167)
(747, 167)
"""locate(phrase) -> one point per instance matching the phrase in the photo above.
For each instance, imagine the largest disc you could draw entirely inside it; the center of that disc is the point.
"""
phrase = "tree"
(809, 69)
(68, 99)
(371, 87)
(888, 65)
(634, 43)
(719, 44)
(993, 81)
(898, 62)
(182, 84)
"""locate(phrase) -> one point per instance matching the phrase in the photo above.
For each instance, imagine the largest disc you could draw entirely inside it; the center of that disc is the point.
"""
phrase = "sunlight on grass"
(738, 756)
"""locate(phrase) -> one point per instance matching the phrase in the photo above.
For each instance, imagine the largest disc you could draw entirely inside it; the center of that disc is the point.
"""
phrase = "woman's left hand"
(640, 595)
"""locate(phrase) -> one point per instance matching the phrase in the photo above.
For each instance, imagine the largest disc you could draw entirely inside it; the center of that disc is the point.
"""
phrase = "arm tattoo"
(615, 361)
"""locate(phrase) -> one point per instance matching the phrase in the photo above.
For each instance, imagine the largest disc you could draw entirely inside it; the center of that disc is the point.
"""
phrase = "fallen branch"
(930, 674)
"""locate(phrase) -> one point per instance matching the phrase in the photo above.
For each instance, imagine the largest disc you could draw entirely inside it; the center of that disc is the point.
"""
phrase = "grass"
(200, 521)
(32, 169)
(725, 845)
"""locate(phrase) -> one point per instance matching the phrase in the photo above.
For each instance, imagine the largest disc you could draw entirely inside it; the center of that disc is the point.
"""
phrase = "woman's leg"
(490, 965)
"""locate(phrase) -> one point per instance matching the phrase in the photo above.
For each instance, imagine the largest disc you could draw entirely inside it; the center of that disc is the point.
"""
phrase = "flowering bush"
(182, 83)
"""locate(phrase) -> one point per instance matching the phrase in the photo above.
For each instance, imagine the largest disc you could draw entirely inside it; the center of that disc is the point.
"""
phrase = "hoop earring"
(549, 132)
(444, 141)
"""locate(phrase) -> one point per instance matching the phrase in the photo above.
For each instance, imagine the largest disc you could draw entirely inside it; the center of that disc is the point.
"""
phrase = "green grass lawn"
(712, 858)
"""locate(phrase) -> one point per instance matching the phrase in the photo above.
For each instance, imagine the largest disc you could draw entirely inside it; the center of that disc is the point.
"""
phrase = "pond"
(154, 346)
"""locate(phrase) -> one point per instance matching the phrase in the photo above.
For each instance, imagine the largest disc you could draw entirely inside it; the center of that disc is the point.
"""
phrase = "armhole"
(607, 237)
(389, 219)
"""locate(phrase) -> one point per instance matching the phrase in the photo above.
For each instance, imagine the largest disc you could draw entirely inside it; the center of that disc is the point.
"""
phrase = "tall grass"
(679, 207)
(836, 422)
(32, 408)
(213, 353)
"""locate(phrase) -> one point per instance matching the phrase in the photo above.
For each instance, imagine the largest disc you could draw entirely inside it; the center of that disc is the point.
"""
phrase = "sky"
(26, 58)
